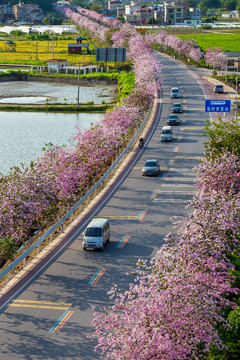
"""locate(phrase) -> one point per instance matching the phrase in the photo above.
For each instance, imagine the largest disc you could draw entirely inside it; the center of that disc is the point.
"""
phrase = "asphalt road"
(51, 318)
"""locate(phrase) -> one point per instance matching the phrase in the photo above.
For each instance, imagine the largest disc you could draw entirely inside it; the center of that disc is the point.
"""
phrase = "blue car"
(177, 108)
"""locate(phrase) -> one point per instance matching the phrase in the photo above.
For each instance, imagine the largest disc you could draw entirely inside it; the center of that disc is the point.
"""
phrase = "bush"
(206, 27)
(125, 84)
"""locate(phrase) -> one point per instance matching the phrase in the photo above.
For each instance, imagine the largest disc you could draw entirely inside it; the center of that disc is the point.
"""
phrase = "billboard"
(140, 30)
(218, 105)
(111, 54)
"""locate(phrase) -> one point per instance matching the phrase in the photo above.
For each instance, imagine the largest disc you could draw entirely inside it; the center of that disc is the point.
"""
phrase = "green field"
(225, 41)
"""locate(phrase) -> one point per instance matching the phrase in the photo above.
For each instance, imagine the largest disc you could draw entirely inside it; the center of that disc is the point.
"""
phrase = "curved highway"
(51, 318)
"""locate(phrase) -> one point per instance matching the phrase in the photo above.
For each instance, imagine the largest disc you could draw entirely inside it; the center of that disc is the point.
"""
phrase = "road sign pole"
(236, 109)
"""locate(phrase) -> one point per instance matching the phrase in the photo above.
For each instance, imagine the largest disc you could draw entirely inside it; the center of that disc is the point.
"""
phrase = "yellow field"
(40, 50)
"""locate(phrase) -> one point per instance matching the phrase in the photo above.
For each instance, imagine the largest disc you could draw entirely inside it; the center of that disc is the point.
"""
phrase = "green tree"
(229, 4)
(57, 21)
(230, 335)
(222, 135)
(79, 3)
(96, 7)
(151, 21)
(238, 8)
(108, 36)
(121, 18)
(17, 33)
(193, 3)
(47, 20)
(210, 4)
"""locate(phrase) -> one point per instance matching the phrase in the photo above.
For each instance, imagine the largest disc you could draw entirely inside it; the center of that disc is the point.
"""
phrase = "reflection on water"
(24, 100)
(23, 135)
(22, 91)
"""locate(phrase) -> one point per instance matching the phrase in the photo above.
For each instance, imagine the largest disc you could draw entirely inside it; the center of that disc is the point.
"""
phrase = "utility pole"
(226, 51)
(52, 48)
(36, 50)
(78, 84)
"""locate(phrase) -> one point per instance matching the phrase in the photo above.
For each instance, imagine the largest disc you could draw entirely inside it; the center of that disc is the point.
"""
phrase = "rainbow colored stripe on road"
(123, 241)
(141, 215)
(61, 321)
(97, 276)
(154, 194)
(164, 176)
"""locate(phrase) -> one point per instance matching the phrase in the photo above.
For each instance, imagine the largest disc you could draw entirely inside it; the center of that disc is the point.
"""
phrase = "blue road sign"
(218, 105)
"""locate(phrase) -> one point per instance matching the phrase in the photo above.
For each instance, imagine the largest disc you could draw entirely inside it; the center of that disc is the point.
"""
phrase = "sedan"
(151, 168)
(177, 108)
(173, 119)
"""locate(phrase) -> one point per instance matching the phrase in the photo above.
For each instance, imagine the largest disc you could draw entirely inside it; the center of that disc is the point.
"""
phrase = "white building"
(173, 13)
(6, 12)
(55, 65)
(231, 15)
(159, 14)
(63, 2)
(195, 14)
(189, 22)
(133, 18)
(134, 6)
(27, 12)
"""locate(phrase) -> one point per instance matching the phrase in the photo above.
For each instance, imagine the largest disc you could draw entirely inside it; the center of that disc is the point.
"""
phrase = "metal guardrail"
(37, 244)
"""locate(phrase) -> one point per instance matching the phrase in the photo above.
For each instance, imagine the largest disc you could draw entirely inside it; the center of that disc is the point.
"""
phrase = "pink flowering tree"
(216, 59)
(111, 22)
(172, 44)
(83, 21)
(119, 39)
(196, 54)
(172, 309)
(28, 199)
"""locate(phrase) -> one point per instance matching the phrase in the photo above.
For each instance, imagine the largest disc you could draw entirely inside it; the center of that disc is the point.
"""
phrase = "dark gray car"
(151, 168)
(173, 119)
(176, 108)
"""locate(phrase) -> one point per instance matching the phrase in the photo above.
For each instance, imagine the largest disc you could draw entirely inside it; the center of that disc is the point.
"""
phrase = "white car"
(174, 93)
(166, 133)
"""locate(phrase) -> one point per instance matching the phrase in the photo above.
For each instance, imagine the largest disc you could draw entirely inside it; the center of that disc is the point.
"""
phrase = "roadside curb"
(231, 92)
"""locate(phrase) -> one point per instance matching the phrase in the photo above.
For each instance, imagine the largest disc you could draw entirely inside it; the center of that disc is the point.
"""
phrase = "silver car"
(151, 168)
(174, 93)
(166, 133)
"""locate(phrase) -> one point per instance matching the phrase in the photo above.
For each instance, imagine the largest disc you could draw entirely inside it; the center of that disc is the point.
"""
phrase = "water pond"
(24, 92)
(24, 134)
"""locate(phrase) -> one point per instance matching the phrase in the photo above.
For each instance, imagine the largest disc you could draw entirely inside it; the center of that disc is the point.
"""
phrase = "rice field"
(26, 50)
(212, 40)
